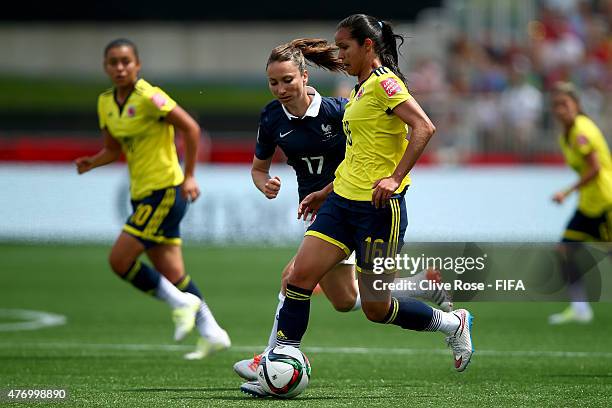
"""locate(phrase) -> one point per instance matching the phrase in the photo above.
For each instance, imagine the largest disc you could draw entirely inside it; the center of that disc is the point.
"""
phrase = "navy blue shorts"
(359, 226)
(157, 217)
(583, 228)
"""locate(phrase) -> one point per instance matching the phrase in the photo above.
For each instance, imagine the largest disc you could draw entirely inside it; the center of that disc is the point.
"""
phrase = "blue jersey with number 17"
(314, 144)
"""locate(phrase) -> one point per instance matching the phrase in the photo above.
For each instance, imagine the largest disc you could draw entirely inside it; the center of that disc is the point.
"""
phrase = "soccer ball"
(284, 371)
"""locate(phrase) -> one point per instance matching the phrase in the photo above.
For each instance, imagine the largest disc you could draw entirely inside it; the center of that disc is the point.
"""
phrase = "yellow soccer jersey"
(145, 138)
(375, 137)
(585, 137)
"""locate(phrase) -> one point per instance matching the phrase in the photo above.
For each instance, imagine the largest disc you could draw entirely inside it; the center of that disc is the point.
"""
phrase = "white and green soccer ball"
(284, 371)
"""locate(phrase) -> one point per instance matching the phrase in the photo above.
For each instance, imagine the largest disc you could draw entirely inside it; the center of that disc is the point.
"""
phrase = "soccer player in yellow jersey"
(586, 151)
(364, 208)
(139, 120)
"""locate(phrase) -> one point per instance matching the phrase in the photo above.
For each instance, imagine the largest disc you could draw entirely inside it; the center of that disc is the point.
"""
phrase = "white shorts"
(350, 260)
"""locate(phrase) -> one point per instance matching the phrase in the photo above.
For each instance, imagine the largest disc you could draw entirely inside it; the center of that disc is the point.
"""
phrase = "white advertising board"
(51, 203)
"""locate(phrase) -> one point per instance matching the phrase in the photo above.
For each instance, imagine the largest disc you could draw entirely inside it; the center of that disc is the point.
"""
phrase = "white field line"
(312, 349)
(29, 319)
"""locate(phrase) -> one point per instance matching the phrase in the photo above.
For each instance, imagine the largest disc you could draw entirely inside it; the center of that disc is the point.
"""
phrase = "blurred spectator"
(488, 95)
(521, 105)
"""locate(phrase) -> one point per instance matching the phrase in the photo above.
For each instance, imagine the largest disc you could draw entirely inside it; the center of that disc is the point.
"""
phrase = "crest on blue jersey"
(327, 131)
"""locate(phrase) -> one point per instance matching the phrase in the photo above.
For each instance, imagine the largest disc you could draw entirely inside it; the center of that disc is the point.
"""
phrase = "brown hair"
(121, 42)
(315, 50)
(382, 35)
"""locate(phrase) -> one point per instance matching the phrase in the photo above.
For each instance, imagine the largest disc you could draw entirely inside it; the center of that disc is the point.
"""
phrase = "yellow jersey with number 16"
(376, 139)
(146, 139)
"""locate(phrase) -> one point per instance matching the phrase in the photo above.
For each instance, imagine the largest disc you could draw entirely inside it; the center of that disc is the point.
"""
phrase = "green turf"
(109, 353)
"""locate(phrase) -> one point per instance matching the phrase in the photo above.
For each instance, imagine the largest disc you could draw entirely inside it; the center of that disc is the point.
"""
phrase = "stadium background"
(482, 71)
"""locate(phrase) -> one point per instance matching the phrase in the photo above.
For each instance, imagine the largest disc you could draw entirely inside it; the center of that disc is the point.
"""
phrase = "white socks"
(449, 323)
(170, 294)
(445, 322)
(357, 304)
(206, 323)
(272, 339)
(582, 308)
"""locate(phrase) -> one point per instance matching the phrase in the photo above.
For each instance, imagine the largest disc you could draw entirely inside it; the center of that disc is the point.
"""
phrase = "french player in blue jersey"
(307, 127)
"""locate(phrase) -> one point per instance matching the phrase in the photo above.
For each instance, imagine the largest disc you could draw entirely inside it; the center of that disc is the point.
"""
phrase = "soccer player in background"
(364, 207)
(308, 129)
(139, 120)
(586, 152)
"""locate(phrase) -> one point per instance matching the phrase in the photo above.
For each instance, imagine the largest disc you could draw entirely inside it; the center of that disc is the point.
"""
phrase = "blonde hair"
(569, 89)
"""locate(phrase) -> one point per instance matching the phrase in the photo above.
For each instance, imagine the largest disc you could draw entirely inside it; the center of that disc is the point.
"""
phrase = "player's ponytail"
(362, 26)
(388, 53)
(317, 51)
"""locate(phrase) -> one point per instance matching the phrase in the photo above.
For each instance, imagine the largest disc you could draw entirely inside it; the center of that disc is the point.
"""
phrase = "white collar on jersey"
(313, 108)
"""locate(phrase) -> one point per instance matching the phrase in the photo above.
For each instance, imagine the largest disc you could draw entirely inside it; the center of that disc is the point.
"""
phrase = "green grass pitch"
(116, 348)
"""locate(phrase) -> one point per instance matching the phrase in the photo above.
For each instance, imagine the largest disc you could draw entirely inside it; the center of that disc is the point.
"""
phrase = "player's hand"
(383, 190)
(272, 187)
(190, 189)
(83, 164)
(560, 197)
(311, 204)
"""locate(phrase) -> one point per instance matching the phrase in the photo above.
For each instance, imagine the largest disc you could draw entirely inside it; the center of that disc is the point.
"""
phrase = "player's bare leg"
(340, 287)
(124, 253)
(315, 258)
(168, 259)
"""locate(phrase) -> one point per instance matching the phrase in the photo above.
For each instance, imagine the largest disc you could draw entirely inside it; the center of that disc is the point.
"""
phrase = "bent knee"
(375, 312)
(285, 276)
(119, 265)
(343, 305)
(300, 277)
